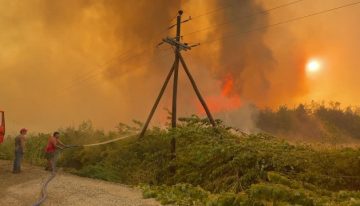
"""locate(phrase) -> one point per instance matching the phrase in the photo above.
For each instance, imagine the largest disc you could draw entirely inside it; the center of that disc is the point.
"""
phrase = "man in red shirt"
(2, 134)
(50, 151)
(2, 126)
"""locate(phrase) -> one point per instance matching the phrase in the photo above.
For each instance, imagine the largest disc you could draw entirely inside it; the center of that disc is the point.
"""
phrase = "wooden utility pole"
(157, 102)
(177, 53)
(179, 46)
(198, 94)
(175, 86)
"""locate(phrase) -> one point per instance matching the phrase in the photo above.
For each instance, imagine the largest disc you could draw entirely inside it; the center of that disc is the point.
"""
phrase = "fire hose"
(44, 194)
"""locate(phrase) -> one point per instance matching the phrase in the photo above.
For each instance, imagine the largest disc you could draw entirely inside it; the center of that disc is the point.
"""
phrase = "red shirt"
(2, 131)
(51, 145)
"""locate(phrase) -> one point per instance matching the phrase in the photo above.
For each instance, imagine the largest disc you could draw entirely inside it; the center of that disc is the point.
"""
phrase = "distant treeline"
(314, 121)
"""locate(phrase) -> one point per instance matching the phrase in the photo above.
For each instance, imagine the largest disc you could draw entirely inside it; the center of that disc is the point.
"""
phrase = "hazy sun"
(313, 66)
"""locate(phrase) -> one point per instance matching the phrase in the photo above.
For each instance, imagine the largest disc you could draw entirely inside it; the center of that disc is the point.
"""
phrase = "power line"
(284, 22)
(99, 67)
(103, 69)
(264, 12)
(212, 11)
(172, 19)
(89, 75)
(204, 14)
(94, 72)
(97, 74)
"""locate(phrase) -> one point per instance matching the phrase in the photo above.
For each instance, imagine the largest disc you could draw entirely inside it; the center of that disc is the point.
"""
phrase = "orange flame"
(227, 100)
(228, 86)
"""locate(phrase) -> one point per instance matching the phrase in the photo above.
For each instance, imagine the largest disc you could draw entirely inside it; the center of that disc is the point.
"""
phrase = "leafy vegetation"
(213, 166)
(327, 123)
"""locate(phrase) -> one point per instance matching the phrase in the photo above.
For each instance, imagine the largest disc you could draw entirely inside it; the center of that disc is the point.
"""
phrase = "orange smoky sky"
(63, 62)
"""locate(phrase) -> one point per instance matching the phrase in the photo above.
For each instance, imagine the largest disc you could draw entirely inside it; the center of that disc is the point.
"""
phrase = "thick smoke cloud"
(63, 62)
(244, 57)
(105, 50)
(241, 55)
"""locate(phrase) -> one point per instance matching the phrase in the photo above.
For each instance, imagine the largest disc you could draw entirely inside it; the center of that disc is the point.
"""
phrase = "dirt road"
(66, 189)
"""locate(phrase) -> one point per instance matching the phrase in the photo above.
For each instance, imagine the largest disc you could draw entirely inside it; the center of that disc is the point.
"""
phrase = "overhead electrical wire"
(264, 12)
(284, 22)
(95, 72)
(100, 68)
(212, 11)
(98, 72)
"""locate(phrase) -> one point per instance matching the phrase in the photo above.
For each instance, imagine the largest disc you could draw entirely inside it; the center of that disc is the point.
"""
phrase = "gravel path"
(23, 189)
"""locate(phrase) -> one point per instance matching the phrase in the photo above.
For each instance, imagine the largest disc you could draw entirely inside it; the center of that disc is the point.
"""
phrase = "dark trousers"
(51, 158)
(17, 161)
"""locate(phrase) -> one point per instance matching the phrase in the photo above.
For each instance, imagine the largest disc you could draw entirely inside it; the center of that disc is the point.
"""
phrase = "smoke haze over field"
(63, 62)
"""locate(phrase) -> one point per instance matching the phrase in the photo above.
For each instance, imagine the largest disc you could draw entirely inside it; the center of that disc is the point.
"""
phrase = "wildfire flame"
(227, 100)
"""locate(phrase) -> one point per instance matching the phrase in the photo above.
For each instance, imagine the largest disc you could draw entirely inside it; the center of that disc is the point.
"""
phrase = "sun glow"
(313, 66)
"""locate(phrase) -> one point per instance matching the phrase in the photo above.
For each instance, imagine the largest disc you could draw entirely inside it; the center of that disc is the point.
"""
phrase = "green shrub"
(7, 149)
(213, 166)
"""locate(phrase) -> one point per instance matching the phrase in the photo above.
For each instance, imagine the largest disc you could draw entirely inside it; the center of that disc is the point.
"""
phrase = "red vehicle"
(2, 126)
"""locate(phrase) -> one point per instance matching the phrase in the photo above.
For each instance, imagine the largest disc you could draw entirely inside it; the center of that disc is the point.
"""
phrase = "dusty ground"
(66, 189)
